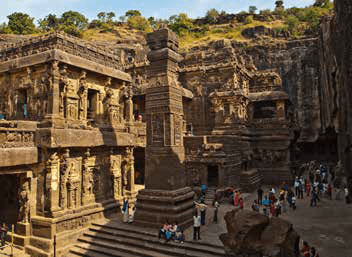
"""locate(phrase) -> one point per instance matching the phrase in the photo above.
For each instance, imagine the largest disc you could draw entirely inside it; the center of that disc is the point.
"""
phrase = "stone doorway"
(139, 165)
(9, 202)
(213, 175)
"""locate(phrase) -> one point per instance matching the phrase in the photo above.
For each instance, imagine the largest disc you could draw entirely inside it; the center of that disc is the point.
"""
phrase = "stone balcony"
(17, 143)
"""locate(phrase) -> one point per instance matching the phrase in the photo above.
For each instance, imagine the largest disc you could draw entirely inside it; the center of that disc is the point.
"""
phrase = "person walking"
(329, 191)
(241, 203)
(346, 195)
(202, 213)
(196, 227)
(308, 188)
(125, 210)
(216, 209)
(296, 186)
(300, 189)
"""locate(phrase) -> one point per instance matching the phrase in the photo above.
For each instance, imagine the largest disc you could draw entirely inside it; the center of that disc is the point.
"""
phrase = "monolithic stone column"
(165, 195)
(280, 109)
(52, 182)
(53, 114)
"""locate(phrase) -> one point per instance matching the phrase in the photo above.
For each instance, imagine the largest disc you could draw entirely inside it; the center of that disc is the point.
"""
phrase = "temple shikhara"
(85, 127)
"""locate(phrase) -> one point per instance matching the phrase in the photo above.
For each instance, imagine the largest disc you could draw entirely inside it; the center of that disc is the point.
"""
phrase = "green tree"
(279, 5)
(102, 16)
(50, 22)
(132, 13)
(292, 22)
(212, 15)
(75, 19)
(252, 9)
(21, 23)
(180, 24)
(249, 19)
(139, 22)
(110, 15)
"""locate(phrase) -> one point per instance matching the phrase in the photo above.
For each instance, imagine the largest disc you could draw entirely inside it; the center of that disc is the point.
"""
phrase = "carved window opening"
(21, 104)
(264, 110)
(92, 103)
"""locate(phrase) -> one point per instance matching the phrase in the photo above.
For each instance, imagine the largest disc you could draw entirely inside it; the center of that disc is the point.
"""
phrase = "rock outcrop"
(255, 235)
(336, 77)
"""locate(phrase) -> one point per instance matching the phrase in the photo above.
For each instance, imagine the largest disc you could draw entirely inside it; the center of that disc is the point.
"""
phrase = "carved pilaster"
(115, 171)
(52, 182)
(54, 92)
(87, 179)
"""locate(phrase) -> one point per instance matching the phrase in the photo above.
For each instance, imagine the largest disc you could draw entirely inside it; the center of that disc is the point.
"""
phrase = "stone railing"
(17, 134)
(61, 41)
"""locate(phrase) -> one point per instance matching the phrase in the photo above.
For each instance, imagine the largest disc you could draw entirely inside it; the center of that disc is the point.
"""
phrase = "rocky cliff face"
(335, 50)
(298, 64)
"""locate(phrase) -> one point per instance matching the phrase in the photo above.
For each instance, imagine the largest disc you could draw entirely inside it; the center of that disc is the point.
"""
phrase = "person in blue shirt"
(204, 189)
(266, 204)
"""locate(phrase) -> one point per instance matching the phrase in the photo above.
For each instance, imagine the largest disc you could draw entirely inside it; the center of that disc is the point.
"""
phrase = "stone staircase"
(210, 195)
(123, 240)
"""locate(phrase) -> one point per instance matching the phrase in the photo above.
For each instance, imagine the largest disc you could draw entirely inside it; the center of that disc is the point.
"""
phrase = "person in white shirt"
(196, 227)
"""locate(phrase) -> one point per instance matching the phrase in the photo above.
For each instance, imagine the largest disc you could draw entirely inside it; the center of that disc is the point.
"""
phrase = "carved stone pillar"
(52, 183)
(63, 179)
(130, 168)
(115, 171)
(53, 92)
(24, 200)
(83, 93)
(87, 179)
(129, 104)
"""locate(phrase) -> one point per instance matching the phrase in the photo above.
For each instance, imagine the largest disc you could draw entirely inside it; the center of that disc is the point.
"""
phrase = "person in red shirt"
(305, 249)
(241, 203)
(272, 208)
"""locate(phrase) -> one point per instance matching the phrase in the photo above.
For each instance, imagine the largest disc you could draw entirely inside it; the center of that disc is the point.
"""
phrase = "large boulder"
(251, 234)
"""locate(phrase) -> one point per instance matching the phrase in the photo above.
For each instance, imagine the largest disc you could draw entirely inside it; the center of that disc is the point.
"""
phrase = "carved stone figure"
(24, 202)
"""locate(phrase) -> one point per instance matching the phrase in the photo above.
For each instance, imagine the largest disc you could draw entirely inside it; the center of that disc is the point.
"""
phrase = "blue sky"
(159, 9)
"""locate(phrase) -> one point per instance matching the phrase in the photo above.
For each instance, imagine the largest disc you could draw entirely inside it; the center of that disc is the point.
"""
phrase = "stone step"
(141, 231)
(138, 239)
(34, 251)
(109, 244)
(88, 250)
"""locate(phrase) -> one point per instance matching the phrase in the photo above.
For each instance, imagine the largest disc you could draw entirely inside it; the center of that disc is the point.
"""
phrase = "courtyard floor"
(328, 227)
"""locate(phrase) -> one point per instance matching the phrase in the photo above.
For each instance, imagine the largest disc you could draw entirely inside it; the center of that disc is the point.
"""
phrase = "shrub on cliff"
(140, 23)
(181, 24)
(249, 19)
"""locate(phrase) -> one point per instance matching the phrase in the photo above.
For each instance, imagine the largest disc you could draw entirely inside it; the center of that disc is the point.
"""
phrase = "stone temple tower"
(166, 196)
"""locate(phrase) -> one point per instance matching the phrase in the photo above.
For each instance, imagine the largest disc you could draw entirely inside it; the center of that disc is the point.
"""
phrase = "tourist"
(131, 216)
(241, 203)
(346, 195)
(308, 187)
(236, 198)
(260, 195)
(216, 209)
(202, 213)
(266, 203)
(196, 227)
(293, 202)
(254, 205)
(272, 209)
(305, 249)
(286, 187)
(3, 231)
(296, 186)
(162, 231)
(180, 236)
(173, 230)
(289, 196)
(125, 210)
(300, 189)
(204, 189)
(314, 198)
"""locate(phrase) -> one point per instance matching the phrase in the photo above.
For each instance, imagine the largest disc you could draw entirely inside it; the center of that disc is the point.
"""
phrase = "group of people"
(128, 215)
(169, 232)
